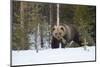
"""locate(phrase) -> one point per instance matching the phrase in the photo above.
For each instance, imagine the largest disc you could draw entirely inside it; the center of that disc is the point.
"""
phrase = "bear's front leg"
(54, 43)
(63, 45)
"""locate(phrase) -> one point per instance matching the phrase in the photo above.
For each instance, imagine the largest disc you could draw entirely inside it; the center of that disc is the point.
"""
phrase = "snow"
(26, 57)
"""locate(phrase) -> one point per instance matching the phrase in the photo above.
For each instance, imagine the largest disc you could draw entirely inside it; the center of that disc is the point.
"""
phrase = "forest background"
(32, 22)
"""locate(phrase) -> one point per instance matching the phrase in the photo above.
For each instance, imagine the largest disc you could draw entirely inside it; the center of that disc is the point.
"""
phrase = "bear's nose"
(55, 33)
(58, 36)
(59, 33)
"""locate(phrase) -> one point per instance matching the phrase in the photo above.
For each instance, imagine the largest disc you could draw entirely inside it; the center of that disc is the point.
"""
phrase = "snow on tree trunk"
(38, 37)
(36, 41)
(85, 44)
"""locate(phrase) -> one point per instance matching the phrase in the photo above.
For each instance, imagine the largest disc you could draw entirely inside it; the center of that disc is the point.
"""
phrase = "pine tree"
(83, 19)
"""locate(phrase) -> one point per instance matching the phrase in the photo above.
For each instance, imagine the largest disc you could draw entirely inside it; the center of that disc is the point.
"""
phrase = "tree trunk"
(22, 23)
(36, 48)
(57, 14)
(41, 35)
(51, 21)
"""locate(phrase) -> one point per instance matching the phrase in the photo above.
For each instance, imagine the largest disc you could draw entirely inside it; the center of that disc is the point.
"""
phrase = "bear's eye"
(53, 29)
(55, 33)
(62, 28)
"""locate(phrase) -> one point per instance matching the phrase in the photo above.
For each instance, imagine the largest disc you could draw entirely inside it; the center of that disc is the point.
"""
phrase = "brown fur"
(64, 34)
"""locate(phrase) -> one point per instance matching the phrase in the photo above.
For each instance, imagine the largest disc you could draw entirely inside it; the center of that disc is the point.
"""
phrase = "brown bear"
(64, 34)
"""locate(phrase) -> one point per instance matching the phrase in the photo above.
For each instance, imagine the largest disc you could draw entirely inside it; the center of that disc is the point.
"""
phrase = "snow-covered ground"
(53, 56)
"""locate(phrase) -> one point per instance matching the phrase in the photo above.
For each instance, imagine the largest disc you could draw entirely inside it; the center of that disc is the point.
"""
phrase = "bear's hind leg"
(78, 41)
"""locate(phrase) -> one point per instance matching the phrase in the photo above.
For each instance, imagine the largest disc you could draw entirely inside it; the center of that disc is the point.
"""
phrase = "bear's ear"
(62, 28)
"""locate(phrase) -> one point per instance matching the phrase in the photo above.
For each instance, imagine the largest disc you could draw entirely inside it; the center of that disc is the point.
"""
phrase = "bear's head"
(58, 32)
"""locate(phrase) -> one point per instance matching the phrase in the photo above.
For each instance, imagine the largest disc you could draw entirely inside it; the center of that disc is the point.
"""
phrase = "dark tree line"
(31, 18)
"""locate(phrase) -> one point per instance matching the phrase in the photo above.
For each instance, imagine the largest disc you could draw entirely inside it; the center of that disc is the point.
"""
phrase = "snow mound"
(26, 57)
